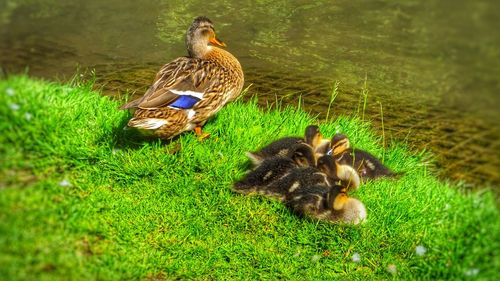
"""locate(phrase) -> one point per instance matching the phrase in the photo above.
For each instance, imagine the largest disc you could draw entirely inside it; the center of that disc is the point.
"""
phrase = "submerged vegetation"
(82, 198)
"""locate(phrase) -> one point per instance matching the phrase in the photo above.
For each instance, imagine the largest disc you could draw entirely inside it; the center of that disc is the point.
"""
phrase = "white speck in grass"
(14, 106)
(65, 183)
(472, 272)
(28, 116)
(297, 254)
(10, 92)
(447, 206)
(126, 128)
(420, 250)
(315, 258)
(115, 150)
(392, 269)
(356, 257)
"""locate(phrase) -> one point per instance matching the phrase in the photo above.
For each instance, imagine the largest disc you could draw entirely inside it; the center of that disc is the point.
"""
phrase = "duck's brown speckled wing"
(181, 75)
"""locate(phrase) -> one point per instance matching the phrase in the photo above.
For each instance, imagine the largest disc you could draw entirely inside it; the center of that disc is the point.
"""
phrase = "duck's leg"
(201, 135)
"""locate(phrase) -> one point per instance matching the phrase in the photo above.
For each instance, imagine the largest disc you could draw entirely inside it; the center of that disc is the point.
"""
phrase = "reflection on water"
(432, 64)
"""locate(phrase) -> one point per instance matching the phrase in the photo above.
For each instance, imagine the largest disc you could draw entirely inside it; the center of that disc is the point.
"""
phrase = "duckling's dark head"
(199, 35)
(313, 136)
(339, 144)
(327, 165)
(345, 173)
(302, 154)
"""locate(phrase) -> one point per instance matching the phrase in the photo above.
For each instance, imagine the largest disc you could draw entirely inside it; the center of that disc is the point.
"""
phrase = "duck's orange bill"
(216, 42)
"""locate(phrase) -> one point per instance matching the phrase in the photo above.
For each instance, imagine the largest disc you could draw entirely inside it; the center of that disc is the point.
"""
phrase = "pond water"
(433, 66)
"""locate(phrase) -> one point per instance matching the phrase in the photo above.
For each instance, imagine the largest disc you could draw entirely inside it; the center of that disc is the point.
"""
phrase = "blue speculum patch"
(185, 102)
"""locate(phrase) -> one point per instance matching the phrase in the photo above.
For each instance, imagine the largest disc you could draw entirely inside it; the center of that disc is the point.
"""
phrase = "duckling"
(275, 167)
(297, 178)
(326, 173)
(332, 204)
(279, 147)
(344, 173)
(348, 210)
(367, 165)
(312, 136)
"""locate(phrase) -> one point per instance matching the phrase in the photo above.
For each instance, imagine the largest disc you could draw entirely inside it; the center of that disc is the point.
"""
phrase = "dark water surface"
(434, 66)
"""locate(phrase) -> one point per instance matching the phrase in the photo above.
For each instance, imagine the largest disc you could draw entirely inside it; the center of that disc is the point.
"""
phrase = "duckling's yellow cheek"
(317, 140)
(340, 201)
(337, 150)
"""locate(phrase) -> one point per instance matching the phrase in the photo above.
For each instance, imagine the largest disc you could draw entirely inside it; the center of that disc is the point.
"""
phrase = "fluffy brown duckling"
(312, 137)
(297, 178)
(367, 165)
(343, 173)
(331, 204)
(274, 168)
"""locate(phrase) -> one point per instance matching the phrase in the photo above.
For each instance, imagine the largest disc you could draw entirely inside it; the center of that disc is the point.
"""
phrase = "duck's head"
(338, 197)
(333, 169)
(327, 165)
(353, 211)
(339, 144)
(303, 155)
(200, 34)
(313, 136)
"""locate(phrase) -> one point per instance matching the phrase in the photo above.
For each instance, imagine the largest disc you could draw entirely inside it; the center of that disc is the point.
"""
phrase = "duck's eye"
(205, 32)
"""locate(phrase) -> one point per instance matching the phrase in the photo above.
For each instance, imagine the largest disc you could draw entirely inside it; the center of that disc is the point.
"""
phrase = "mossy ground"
(80, 198)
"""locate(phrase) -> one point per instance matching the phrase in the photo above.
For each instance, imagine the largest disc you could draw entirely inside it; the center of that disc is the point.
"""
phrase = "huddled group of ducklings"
(313, 175)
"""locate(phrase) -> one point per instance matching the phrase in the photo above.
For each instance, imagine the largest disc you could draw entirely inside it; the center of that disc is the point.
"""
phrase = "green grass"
(139, 209)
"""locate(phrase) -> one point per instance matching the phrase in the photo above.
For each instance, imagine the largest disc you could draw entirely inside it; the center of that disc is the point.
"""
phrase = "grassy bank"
(81, 198)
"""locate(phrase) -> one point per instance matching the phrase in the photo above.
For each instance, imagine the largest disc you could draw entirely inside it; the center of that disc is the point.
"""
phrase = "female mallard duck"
(331, 204)
(367, 165)
(189, 90)
(274, 168)
(312, 137)
(339, 172)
